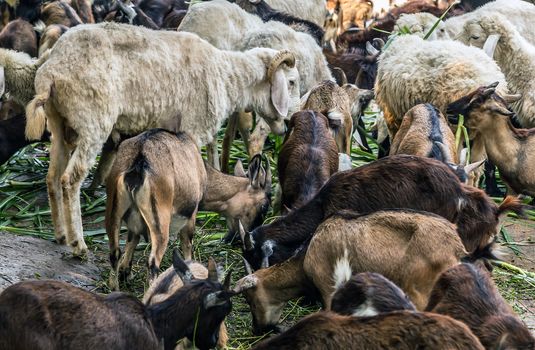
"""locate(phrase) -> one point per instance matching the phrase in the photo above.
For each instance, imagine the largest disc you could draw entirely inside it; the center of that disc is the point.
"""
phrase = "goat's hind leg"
(77, 170)
(59, 156)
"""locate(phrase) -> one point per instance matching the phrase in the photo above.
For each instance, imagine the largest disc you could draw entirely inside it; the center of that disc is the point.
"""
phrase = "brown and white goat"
(56, 315)
(342, 105)
(402, 245)
(425, 132)
(512, 150)
(404, 330)
(19, 35)
(50, 36)
(169, 282)
(391, 182)
(60, 12)
(157, 184)
(307, 159)
(467, 293)
(369, 294)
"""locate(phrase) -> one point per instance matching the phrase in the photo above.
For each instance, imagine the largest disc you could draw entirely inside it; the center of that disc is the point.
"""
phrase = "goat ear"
(490, 44)
(239, 170)
(212, 270)
(181, 268)
(2, 82)
(339, 76)
(248, 243)
(280, 97)
(245, 283)
(473, 166)
(248, 268)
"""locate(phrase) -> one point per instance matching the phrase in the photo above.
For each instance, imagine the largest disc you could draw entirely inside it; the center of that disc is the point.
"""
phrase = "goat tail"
(135, 175)
(36, 116)
(511, 204)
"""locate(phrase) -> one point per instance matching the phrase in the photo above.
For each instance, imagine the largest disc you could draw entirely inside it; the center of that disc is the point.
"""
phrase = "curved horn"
(212, 270)
(284, 56)
(245, 238)
(490, 44)
(341, 74)
(473, 166)
(247, 266)
(371, 50)
(380, 43)
(226, 282)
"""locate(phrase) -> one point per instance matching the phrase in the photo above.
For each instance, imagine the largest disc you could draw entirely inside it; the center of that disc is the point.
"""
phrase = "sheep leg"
(213, 154)
(186, 236)
(245, 124)
(230, 133)
(77, 170)
(59, 156)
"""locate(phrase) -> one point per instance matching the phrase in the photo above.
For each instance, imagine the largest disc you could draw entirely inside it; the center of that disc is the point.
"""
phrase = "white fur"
(365, 309)
(311, 10)
(420, 24)
(342, 271)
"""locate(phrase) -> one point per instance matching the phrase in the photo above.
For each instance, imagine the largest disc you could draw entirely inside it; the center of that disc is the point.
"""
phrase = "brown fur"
(19, 35)
(422, 126)
(307, 158)
(391, 182)
(60, 12)
(402, 330)
(405, 241)
(467, 293)
(9, 109)
(50, 36)
(511, 150)
(83, 9)
(360, 67)
(173, 19)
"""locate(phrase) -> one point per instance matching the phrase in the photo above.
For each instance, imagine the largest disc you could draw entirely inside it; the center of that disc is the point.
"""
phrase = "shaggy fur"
(311, 10)
(519, 68)
(307, 159)
(420, 24)
(19, 74)
(470, 287)
(82, 107)
(406, 241)
(518, 12)
(403, 330)
(19, 35)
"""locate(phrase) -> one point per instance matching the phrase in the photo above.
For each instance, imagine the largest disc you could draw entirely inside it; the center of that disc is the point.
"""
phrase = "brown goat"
(369, 294)
(83, 9)
(391, 182)
(307, 158)
(467, 293)
(19, 35)
(169, 282)
(50, 36)
(489, 122)
(56, 315)
(343, 105)
(359, 66)
(153, 198)
(403, 330)
(60, 12)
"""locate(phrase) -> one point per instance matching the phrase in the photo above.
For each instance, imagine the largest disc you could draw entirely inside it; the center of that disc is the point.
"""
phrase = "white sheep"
(115, 77)
(519, 12)
(514, 54)
(311, 10)
(19, 74)
(420, 24)
(412, 71)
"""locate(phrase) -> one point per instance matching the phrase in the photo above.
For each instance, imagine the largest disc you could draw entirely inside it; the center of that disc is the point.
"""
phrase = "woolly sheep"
(129, 85)
(514, 54)
(420, 24)
(311, 10)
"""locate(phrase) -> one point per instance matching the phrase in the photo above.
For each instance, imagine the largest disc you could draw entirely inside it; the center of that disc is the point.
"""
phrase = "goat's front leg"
(478, 153)
(77, 170)
(186, 236)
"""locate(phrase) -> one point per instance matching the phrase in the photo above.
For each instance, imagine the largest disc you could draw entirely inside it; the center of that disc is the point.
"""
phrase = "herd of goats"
(397, 251)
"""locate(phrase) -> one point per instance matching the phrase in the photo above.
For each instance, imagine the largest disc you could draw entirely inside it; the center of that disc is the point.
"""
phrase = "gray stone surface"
(24, 257)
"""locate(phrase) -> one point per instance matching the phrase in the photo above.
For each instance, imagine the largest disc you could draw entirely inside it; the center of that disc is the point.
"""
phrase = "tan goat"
(512, 150)
(156, 186)
(343, 103)
(411, 248)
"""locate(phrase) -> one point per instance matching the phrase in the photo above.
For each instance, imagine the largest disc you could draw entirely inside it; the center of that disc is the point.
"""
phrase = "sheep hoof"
(60, 239)
(79, 249)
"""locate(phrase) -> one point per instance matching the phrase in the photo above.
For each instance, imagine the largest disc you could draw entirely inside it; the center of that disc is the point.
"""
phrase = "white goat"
(514, 54)
(420, 24)
(133, 79)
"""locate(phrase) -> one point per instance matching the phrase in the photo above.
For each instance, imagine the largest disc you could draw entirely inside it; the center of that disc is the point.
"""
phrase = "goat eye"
(475, 37)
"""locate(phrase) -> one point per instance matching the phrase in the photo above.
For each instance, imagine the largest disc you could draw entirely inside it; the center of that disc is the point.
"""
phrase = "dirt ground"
(522, 233)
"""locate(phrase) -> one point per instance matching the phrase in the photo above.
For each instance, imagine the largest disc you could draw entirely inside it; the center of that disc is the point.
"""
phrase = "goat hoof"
(113, 282)
(124, 274)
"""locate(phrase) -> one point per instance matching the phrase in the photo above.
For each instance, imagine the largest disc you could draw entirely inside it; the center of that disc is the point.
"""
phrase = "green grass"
(24, 211)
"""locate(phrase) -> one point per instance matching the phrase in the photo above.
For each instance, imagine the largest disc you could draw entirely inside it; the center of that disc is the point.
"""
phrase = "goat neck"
(220, 189)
